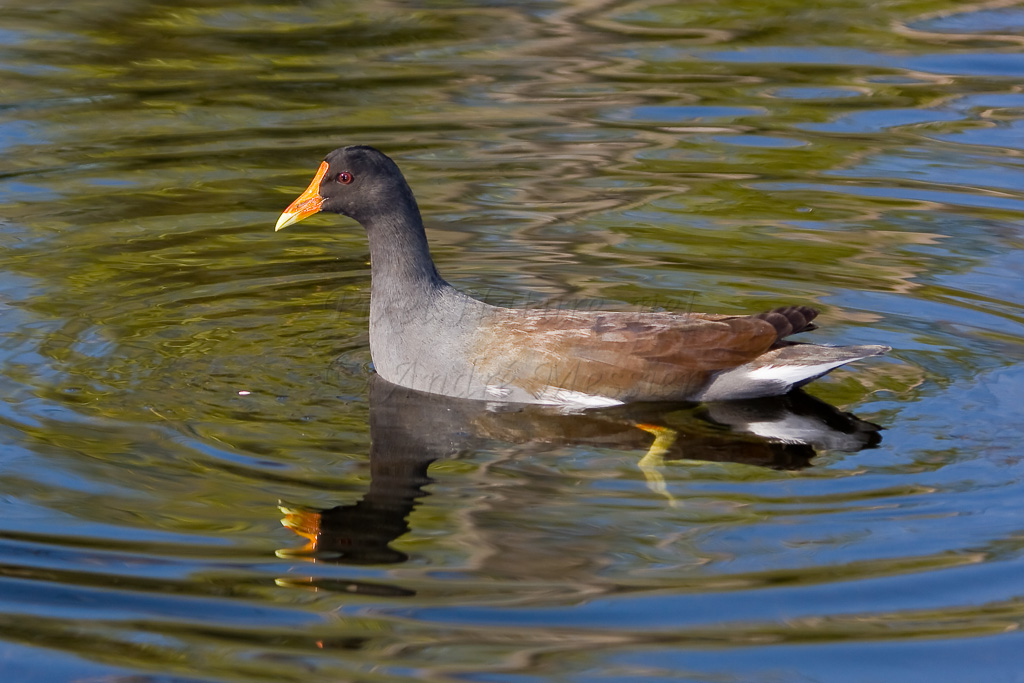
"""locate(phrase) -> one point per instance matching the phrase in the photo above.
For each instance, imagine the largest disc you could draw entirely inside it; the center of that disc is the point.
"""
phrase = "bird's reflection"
(409, 430)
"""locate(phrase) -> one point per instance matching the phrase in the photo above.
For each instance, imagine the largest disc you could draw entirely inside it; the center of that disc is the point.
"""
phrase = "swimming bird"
(429, 336)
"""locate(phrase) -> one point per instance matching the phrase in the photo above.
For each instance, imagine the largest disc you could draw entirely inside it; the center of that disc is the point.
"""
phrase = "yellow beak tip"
(285, 220)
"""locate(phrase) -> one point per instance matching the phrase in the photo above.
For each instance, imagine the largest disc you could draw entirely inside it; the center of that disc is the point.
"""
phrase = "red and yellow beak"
(306, 205)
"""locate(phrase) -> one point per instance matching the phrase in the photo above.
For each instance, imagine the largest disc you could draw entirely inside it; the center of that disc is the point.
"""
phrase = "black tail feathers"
(790, 319)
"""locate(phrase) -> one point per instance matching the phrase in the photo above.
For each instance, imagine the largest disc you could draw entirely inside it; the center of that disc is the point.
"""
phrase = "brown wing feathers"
(617, 354)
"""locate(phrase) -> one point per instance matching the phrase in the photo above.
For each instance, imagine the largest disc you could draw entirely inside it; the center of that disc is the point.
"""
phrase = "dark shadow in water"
(409, 430)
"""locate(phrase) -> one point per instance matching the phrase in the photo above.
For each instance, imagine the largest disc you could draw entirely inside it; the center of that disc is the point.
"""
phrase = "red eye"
(344, 178)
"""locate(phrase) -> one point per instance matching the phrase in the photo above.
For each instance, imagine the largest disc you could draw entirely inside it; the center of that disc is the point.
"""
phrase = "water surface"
(178, 380)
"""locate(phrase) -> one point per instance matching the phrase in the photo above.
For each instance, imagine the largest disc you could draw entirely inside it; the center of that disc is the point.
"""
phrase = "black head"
(360, 182)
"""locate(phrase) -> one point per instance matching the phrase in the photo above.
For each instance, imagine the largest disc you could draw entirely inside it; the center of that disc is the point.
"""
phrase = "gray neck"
(420, 326)
(401, 270)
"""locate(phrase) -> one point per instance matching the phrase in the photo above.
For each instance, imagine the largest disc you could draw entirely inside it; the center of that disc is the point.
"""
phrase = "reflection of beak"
(306, 205)
(305, 523)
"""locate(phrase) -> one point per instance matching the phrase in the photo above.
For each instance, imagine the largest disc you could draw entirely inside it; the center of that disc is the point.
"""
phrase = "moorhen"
(427, 335)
